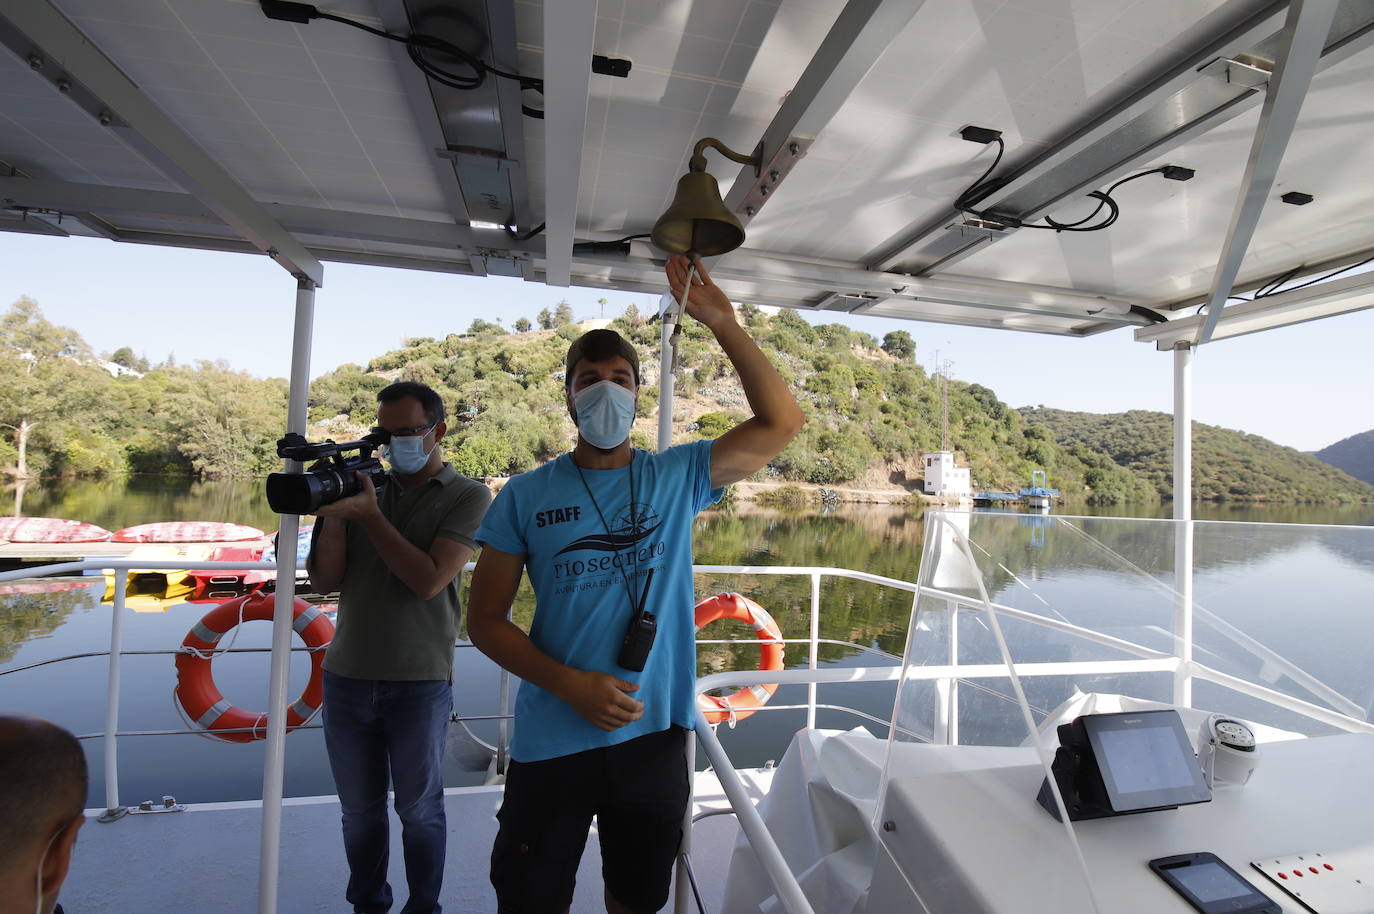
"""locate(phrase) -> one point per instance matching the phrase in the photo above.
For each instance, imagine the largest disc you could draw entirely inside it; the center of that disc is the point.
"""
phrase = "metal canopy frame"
(1305, 33)
(79, 71)
(1204, 85)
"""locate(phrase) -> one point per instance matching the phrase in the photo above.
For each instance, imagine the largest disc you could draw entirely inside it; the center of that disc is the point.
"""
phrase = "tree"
(900, 345)
(631, 316)
(563, 313)
(37, 360)
(522, 325)
(124, 356)
(545, 319)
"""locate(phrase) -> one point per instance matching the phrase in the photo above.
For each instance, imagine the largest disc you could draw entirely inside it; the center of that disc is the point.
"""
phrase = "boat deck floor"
(206, 858)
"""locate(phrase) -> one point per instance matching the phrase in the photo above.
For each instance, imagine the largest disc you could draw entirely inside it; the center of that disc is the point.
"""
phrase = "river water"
(35, 627)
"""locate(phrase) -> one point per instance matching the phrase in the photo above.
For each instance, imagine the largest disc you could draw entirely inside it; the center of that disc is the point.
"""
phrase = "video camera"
(303, 493)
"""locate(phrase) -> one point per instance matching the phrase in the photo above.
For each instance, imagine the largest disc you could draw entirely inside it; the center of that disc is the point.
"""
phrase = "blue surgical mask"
(407, 454)
(604, 413)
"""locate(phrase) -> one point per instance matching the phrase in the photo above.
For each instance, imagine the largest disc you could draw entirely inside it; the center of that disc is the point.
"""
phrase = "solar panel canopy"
(209, 124)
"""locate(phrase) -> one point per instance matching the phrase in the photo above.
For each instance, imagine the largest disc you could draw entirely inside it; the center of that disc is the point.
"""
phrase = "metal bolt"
(105, 118)
(146, 805)
(773, 176)
(794, 149)
(35, 61)
(272, 252)
(64, 85)
(749, 211)
(763, 190)
(168, 802)
(889, 825)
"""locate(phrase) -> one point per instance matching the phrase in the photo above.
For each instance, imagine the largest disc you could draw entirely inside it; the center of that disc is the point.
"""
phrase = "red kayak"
(50, 530)
(210, 583)
(188, 532)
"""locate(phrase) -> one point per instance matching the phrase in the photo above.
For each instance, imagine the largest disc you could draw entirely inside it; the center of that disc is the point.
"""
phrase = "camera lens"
(302, 493)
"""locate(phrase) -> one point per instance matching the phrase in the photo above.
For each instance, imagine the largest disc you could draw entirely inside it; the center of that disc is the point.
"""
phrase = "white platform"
(969, 836)
(206, 859)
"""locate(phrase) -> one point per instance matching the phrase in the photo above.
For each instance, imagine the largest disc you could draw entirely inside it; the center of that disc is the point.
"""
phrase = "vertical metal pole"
(275, 764)
(665, 385)
(815, 648)
(113, 809)
(682, 884)
(503, 728)
(671, 319)
(947, 689)
(1183, 517)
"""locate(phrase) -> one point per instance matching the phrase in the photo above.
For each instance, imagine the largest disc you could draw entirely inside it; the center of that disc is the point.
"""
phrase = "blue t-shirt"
(579, 568)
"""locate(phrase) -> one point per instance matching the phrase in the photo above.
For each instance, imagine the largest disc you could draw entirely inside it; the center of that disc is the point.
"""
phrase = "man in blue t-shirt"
(605, 535)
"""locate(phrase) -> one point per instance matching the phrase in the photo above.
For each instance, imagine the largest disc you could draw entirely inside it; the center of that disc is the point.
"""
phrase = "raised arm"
(600, 698)
(777, 418)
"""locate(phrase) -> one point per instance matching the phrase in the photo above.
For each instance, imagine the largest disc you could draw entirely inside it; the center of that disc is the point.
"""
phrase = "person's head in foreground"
(42, 794)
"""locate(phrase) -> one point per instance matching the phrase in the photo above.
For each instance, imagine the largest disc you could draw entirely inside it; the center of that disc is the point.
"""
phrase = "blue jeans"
(371, 726)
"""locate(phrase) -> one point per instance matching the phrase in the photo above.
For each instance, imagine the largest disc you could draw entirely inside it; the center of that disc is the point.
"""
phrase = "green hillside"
(1354, 455)
(1227, 464)
(871, 413)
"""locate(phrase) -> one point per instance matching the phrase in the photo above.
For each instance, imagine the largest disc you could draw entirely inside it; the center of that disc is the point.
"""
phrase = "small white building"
(942, 477)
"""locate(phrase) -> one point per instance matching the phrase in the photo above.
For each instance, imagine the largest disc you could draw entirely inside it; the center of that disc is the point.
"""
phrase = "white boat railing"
(1147, 660)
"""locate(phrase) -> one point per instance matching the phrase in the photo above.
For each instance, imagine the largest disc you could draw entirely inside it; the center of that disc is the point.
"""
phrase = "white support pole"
(812, 659)
(947, 689)
(665, 385)
(1183, 528)
(274, 765)
(682, 885)
(113, 809)
(669, 321)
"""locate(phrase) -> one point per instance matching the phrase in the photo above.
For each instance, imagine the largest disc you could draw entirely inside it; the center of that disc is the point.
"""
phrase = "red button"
(1328, 866)
(1283, 875)
(1298, 873)
(1312, 868)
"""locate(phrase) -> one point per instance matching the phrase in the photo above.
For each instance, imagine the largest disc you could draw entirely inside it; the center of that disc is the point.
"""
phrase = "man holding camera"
(394, 557)
(609, 665)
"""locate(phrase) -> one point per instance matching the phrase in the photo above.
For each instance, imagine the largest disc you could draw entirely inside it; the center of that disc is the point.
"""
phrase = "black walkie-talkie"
(639, 637)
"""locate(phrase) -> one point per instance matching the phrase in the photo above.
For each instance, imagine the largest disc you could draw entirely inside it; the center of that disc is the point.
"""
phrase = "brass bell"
(697, 220)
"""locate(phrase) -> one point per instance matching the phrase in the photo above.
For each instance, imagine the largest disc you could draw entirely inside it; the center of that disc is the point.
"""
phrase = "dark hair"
(43, 782)
(431, 402)
(599, 346)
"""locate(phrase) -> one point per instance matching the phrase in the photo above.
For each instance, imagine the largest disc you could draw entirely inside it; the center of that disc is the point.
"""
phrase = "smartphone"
(1211, 886)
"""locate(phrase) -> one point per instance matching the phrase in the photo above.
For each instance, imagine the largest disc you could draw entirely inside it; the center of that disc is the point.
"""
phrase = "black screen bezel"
(1256, 902)
(1139, 801)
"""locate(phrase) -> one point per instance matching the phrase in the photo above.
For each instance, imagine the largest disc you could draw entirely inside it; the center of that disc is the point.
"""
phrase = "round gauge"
(1235, 734)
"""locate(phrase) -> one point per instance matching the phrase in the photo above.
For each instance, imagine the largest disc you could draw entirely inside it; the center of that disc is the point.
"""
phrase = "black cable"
(961, 202)
(525, 236)
(593, 245)
(1312, 282)
(1104, 198)
(418, 44)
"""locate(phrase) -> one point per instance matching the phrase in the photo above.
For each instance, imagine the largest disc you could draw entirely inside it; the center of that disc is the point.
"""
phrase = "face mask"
(407, 455)
(605, 411)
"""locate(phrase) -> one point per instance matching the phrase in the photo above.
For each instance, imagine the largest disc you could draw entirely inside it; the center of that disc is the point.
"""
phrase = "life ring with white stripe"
(740, 704)
(202, 700)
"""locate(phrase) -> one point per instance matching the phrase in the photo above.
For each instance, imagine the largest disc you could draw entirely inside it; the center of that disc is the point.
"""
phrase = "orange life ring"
(740, 704)
(202, 700)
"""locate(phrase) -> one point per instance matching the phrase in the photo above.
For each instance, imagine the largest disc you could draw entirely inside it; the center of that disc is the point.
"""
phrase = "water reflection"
(884, 540)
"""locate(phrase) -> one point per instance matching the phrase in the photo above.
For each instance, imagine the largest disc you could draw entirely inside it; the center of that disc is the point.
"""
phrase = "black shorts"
(638, 792)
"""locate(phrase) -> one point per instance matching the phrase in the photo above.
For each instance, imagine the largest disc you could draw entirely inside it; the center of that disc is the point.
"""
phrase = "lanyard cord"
(634, 523)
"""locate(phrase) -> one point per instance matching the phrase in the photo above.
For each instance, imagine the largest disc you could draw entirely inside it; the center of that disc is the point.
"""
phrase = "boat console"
(1183, 691)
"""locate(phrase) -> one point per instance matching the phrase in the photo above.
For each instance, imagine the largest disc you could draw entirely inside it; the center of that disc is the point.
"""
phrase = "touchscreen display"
(1144, 759)
(1210, 882)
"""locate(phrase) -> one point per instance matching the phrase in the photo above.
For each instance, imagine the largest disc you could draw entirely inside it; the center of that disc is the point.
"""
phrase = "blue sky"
(1306, 386)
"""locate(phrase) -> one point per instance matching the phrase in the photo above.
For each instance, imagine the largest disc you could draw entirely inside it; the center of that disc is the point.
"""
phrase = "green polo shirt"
(383, 630)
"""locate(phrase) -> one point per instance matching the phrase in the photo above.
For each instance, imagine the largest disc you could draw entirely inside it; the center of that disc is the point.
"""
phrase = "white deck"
(206, 858)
